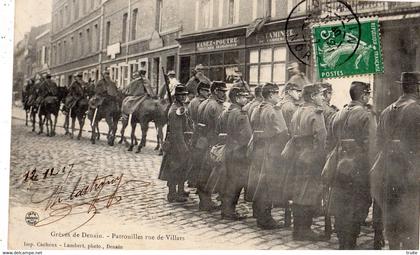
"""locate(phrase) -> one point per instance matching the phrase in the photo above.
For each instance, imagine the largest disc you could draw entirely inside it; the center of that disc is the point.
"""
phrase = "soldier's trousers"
(302, 218)
(237, 174)
(348, 229)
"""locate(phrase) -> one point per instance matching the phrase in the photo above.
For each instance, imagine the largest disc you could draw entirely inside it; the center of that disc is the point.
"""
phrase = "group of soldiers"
(292, 149)
(38, 89)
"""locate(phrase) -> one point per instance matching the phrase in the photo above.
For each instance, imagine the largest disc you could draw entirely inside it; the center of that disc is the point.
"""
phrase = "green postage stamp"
(345, 49)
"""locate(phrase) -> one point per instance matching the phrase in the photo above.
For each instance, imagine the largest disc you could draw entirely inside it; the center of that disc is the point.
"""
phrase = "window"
(64, 51)
(81, 44)
(61, 18)
(220, 65)
(96, 37)
(231, 11)
(55, 54)
(134, 24)
(66, 13)
(267, 65)
(206, 13)
(89, 40)
(76, 9)
(108, 32)
(56, 21)
(124, 28)
(47, 55)
(73, 48)
(84, 8)
(59, 53)
(159, 8)
(92, 4)
(170, 63)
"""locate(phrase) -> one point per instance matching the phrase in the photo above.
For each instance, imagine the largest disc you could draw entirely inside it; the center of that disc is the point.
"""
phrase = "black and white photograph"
(213, 125)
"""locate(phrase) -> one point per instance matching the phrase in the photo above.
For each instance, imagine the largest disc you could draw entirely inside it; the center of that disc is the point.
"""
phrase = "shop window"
(217, 74)
(170, 63)
(232, 58)
(267, 65)
(216, 59)
(203, 59)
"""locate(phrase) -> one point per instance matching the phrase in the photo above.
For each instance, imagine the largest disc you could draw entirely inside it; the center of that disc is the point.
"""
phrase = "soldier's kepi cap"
(180, 89)
(203, 86)
(48, 76)
(199, 67)
(314, 88)
(409, 78)
(292, 65)
(218, 85)
(235, 92)
(327, 86)
(292, 86)
(270, 88)
(359, 86)
(172, 72)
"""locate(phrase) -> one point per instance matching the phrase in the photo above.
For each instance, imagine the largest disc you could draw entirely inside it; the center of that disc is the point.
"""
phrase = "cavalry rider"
(75, 93)
(175, 159)
(239, 82)
(196, 78)
(104, 88)
(47, 88)
(136, 92)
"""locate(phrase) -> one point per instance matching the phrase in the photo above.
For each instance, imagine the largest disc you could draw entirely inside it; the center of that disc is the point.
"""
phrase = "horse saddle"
(50, 100)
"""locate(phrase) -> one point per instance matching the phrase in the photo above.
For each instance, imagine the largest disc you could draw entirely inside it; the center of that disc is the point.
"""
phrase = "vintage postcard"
(215, 125)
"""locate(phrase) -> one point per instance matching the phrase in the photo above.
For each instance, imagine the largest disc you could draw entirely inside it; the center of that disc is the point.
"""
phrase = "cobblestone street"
(143, 198)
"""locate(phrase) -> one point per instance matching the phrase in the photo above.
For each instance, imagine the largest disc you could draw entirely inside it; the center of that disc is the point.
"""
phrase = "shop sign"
(273, 37)
(224, 43)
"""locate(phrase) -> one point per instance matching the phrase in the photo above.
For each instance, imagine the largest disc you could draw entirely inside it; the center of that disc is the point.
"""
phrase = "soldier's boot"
(378, 240)
(206, 204)
(181, 190)
(254, 210)
(265, 220)
(172, 196)
(229, 210)
(287, 216)
(307, 234)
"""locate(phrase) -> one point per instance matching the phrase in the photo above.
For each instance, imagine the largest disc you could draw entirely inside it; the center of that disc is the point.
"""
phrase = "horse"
(110, 110)
(79, 112)
(149, 110)
(50, 105)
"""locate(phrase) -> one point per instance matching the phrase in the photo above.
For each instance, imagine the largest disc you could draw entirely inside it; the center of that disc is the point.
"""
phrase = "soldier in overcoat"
(234, 122)
(249, 107)
(208, 114)
(396, 173)
(353, 131)
(290, 102)
(304, 156)
(266, 175)
(75, 92)
(176, 156)
(203, 92)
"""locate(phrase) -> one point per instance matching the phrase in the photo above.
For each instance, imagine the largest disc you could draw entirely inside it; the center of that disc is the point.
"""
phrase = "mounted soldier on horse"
(105, 104)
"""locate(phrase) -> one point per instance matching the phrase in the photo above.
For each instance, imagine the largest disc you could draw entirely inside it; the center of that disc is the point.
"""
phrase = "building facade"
(76, 33)
(400, 40)
(42, 50)
(248, 35)
(140, 34)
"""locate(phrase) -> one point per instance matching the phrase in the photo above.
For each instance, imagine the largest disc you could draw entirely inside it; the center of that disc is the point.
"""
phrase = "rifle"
(165, 76)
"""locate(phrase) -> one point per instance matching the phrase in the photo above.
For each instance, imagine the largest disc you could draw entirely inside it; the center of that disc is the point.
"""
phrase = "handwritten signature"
(69, 199)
